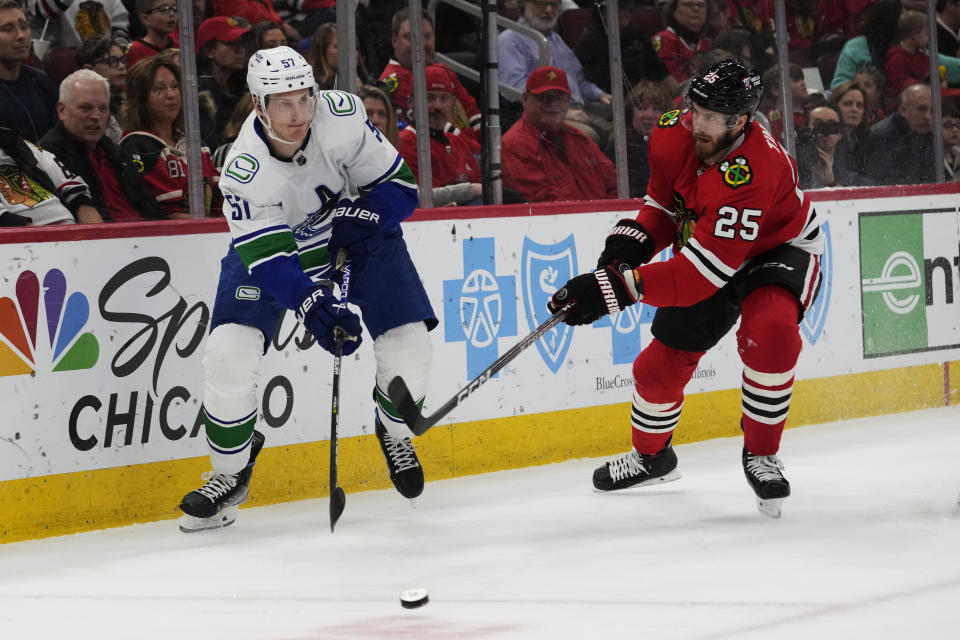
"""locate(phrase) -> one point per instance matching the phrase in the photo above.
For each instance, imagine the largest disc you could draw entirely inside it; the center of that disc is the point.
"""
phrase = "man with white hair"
(80, 144)
(519, 56)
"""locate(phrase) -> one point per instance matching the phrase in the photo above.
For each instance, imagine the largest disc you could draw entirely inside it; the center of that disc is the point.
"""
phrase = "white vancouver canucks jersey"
(281, 209)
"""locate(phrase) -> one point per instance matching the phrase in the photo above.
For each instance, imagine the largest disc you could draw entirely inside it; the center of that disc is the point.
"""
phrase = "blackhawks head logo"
(669, 119)
(736, 172)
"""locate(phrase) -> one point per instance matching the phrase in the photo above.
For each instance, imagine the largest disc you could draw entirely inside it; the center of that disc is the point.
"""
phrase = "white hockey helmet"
(277, 70)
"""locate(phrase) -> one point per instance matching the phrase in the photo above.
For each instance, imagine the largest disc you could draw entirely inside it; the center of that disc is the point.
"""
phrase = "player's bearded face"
(711, 133)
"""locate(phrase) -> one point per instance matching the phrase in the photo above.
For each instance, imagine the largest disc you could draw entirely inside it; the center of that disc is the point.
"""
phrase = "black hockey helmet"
(727, 87)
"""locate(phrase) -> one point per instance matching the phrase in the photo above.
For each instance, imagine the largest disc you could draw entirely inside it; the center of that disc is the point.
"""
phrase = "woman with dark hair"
(267, 35)
(324, 57)
(154, 138)
(683, 36)
(853, 105)
(871, 83)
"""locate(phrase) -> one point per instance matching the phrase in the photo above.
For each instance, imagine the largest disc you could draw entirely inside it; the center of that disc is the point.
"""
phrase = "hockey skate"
(764, 473)
(215, 504)
(637, 469)
(402, 463)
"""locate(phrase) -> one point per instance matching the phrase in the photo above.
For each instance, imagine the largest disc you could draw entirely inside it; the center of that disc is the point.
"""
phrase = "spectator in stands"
(948, 27)
(398, 77)
(772, 107)
(869, 49)
(638, 58)
(72, 22)
(547, 160)
(267, 35)
(159, 18)
(900, 147)
(307, 15)
(452, 155)
(906, 63)
(324, 55)
(818, 162)
(380, 112)
(106, 57)
(870, 82)
(78, 141)
(683, 36)
(28, 95)
(644, 105)
(232, 130)
(222, 62)
(841, 18)
(951, 142)
(851, 102)
(35, 189)
(254, 11)
(154, 138)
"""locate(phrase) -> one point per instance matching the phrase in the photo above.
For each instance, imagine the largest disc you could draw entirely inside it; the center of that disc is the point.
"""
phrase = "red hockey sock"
(769, 344)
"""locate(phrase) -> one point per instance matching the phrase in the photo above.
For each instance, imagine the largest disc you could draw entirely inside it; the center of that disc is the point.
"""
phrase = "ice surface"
(868, 547)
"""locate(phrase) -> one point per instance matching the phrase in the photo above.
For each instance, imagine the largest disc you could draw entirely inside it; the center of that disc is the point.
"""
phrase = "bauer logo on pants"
(910, 285)
(545, 268)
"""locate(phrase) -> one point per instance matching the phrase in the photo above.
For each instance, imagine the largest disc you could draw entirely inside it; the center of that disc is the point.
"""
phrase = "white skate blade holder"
(771, 507)
(192, 524)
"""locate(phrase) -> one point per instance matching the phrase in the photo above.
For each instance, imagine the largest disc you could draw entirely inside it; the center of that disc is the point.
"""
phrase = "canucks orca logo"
(736, 172)
(70, 347)
(669, 119)
(319, 221)
(816, 316)
(544, 268)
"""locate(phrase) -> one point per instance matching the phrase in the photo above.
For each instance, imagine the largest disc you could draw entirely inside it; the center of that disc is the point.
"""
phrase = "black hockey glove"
(320, 313)
(627, 242)
(357, 229)
(606, 290)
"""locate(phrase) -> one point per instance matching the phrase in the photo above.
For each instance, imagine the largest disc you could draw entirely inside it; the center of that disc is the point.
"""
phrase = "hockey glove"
(357, 229)
(320, 312)
(627, 242)
(606, 290)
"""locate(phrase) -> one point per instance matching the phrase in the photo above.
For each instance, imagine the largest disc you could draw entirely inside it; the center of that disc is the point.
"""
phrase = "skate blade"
(771, 507)
(192, 524)
(669, 477)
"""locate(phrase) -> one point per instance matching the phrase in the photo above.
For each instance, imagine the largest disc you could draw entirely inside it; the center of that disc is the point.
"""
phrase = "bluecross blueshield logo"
(816, 316)
(481, 307)
(544, 268)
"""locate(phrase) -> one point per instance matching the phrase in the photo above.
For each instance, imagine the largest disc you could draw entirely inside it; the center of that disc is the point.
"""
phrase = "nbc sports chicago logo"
(910, 281)
(42, 328)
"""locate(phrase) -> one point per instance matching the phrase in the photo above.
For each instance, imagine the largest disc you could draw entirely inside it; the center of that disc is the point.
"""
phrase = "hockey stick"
(338, 499)
(419, 423)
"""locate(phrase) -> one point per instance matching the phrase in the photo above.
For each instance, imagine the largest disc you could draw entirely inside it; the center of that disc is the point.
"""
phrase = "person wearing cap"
(222, 58)
(452, 155)
(397, 75)
(546, 159)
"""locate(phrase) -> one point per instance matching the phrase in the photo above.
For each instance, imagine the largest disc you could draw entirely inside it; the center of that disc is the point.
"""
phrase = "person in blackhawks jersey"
(746, 244)
(307, 177)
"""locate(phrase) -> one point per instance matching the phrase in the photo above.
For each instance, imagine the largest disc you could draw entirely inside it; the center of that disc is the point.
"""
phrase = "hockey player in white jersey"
(308, 176)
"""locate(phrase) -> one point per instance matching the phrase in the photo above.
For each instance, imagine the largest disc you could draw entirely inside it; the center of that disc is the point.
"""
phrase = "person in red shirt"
(254, 11)
(545, 159)
(746, 244)
(159, 18)
(683, 36)
(906, 63)
(452, 155)
(398, 75)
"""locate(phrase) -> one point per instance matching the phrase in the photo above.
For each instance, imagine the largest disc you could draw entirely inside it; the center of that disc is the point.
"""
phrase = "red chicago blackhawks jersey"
(718, 216)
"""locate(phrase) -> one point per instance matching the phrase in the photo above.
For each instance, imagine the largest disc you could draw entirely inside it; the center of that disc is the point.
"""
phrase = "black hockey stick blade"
(407, 406)
(338, 501)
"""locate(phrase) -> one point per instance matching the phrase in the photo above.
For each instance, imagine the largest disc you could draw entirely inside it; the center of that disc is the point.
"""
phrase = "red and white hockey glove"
(607, 290)
(627, 242)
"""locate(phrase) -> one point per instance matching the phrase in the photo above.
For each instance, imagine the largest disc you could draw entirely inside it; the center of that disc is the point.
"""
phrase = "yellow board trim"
(83, 501)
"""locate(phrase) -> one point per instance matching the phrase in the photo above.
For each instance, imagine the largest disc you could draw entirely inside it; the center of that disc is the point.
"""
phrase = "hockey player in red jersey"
(746, 243)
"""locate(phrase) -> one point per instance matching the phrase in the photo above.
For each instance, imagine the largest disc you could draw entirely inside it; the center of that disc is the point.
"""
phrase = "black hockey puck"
(414, 598)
